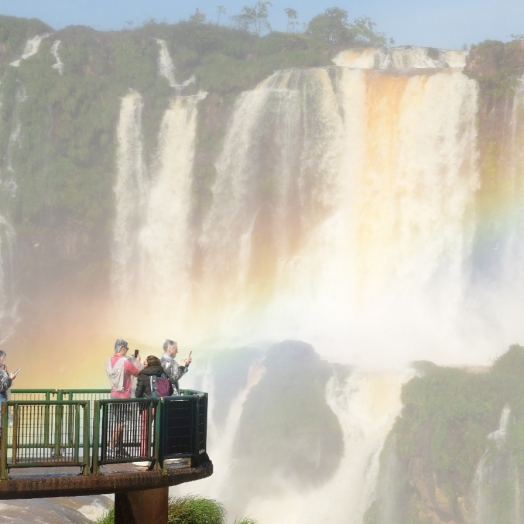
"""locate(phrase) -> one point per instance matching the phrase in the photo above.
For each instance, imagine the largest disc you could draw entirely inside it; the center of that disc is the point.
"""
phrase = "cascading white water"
(152, 240)
(166, 68)
(165, 238)
(165, 64)
(361, 189)
(13, 143)
(496, 482)
(408, 57)
(366, 406)
(30, 49)
(343, 213)
(221, 438)
(7, 299)
(130, 194)
(58, 65)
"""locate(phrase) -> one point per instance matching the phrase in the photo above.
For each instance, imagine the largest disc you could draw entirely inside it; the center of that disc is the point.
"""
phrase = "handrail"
(40, 435)
(57, 432)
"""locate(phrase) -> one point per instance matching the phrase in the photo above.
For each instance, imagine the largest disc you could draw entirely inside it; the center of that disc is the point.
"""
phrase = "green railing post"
(3, 442)
(194, 428)
(46, 419)
(16, 427)
(157, 455)
(86, 448)
(70, 423)
(96, 438)
(59, 412)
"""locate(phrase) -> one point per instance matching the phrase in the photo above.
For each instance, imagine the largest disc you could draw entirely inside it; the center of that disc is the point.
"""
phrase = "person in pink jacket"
(120, 369)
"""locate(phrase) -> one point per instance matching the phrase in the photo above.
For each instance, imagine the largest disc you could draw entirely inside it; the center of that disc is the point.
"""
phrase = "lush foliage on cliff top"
(456, 410)
(442, 435)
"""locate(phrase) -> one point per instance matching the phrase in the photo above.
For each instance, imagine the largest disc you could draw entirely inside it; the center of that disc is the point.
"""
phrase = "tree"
(331, 26)
(198, 17)
(221, 10)
(292, 16)
(362, 32)
(253, 18)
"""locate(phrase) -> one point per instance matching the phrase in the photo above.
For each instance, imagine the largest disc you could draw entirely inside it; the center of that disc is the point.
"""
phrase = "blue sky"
(446, 24)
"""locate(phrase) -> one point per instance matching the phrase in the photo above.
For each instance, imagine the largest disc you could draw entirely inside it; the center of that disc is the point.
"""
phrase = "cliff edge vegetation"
(456, 453)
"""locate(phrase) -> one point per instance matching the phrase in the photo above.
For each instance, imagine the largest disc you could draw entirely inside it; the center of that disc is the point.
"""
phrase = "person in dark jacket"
(152, 368)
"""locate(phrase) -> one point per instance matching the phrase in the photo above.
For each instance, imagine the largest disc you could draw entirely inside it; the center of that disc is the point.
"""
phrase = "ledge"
(30, 484)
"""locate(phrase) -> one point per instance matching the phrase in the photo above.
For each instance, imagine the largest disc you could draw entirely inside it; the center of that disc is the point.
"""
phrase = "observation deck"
(81, 442)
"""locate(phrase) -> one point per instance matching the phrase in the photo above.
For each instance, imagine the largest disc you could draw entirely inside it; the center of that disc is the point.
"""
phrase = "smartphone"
(187, 366)
(16, 371)
(136, 353)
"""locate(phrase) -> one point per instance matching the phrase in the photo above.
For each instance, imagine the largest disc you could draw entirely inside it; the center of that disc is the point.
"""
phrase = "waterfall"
(165, 64)
(499, 243)
(404, 57)
(166, 67)
(496, 485)
(130, 190)
(7, 276)
(30, 49)
(343, 211)
(366, 405)
(165, 236)
(377, 171)
(152, 251)
(221, 438)
(58, 65)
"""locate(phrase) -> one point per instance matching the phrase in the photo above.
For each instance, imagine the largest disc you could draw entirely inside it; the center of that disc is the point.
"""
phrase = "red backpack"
(160, 386)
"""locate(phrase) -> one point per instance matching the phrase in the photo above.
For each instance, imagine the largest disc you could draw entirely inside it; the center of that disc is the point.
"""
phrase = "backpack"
(160, 386)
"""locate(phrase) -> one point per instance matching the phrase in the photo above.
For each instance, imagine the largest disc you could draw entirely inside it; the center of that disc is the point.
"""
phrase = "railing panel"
(47, 433)
(126, 430)
(178, 427)
(202, 424)
(57, 427)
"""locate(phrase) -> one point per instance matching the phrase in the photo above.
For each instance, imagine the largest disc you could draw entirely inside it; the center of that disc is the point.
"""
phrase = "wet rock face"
(288, 433)
(491, 57)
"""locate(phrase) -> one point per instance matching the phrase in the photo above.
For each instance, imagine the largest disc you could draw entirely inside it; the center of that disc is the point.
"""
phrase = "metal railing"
(88, 429)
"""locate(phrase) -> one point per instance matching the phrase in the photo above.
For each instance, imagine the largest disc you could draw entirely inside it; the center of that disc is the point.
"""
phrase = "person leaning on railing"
(6, 379)
(120, 368)
(173, 370)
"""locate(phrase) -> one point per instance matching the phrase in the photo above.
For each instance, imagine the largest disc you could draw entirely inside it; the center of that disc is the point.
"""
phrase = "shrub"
(195, 510)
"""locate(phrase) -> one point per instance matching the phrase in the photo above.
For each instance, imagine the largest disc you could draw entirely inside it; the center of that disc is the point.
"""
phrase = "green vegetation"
(444, 426)
(191, 509)
(14, 33)
(64, 153)
(333, 27)
(231, 59)
(195, 510)
(499, 66)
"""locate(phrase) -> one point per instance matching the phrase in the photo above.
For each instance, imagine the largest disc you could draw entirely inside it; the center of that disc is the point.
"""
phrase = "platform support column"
(141, 507)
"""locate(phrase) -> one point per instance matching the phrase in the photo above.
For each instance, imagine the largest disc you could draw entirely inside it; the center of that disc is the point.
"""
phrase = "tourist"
(6, 379)
(152, 370)
(120, 369)
(173, 370)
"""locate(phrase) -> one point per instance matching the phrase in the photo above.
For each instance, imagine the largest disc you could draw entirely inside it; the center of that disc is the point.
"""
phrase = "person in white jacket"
(173, 370)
